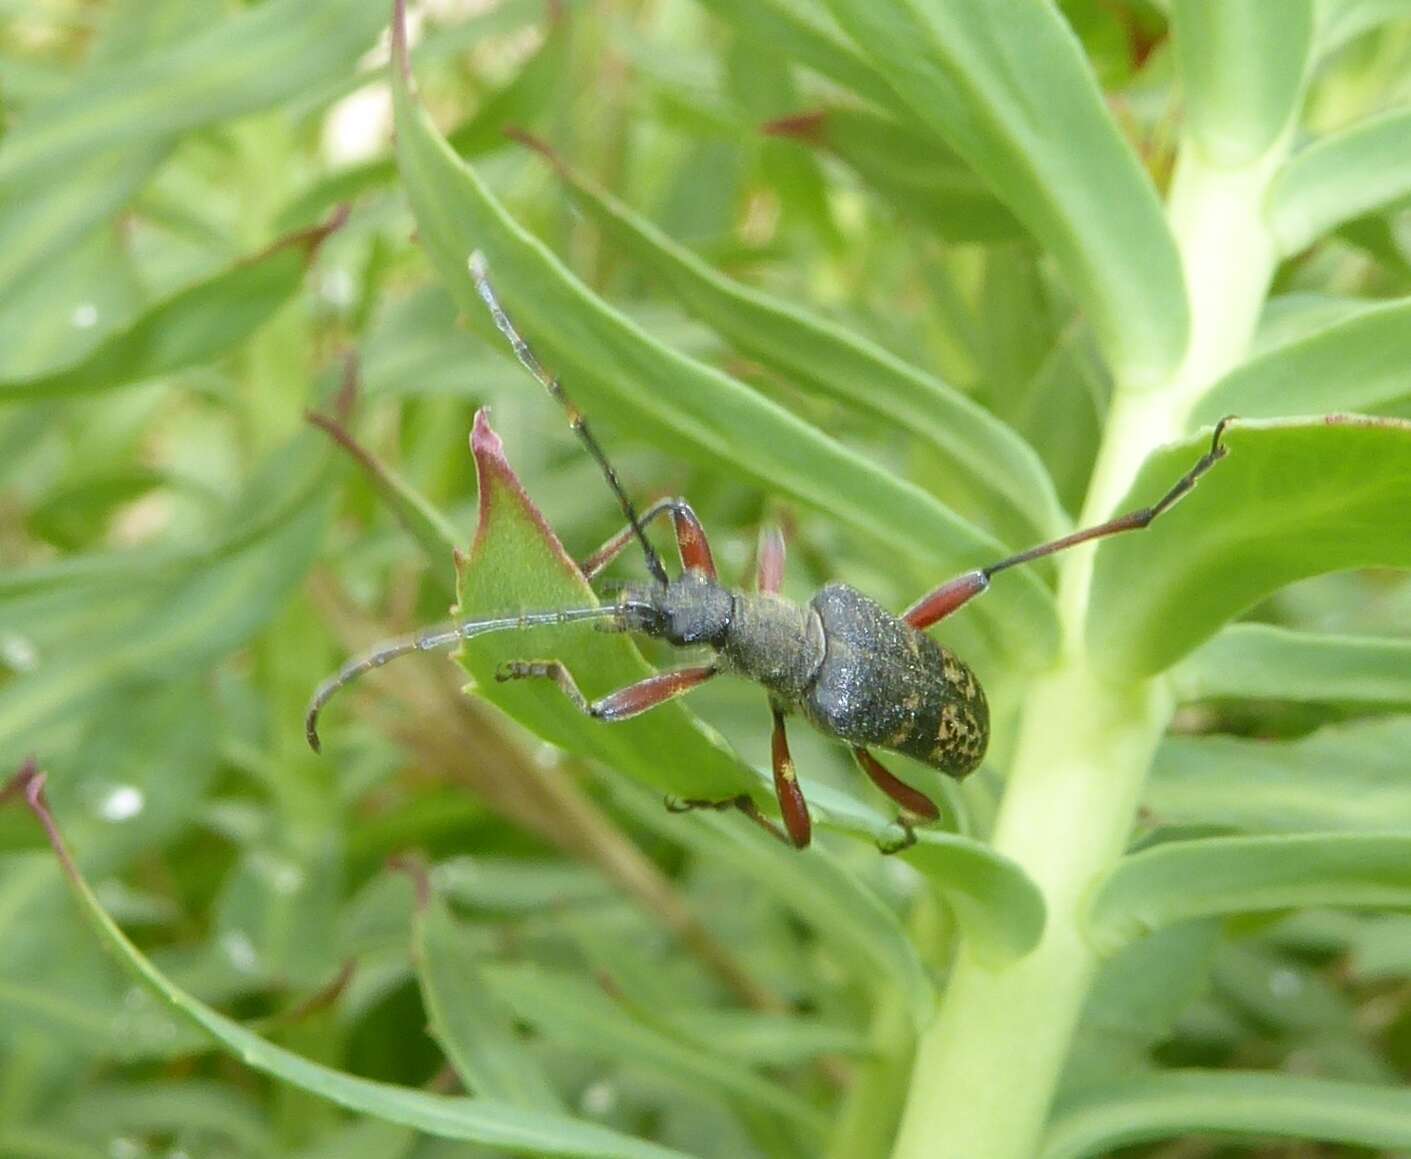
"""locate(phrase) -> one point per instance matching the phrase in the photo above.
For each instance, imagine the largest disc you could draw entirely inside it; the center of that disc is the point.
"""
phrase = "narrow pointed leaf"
(192, 618)
(1261, 660)
(191, 327)
(517, 564)
(475, 1120)
(1291, 499)
(1361, 362)
(1242, 65)
(467, 1018)
(842, 366)
(997, 904)
(43, 219)
(1179, 1104)
(994, 81)
(1344, 776)
(1232, 875)
(844, 911)
(578, 1014)
(518, 102)
(909, 168)
(613, 367)
(433, 532)
(1339, 177)
(800, 35)
(256, 59)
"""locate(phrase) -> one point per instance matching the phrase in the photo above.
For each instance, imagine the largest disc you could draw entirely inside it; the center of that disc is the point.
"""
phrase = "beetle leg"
(769, 571)
(792, 806)
(955, 593)
(915, 805)
(744, 802)
(931, 609)
(623, 704)
(691, 540)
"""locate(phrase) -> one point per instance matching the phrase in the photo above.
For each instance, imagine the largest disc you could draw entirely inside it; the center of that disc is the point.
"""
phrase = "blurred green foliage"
(799, 262)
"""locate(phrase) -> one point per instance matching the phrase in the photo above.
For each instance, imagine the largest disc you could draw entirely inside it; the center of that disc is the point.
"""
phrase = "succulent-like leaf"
(475, 1120)
(994, 81)
(1178, 1104)
(1210, 876)
(1243, 64)
(1292, 498)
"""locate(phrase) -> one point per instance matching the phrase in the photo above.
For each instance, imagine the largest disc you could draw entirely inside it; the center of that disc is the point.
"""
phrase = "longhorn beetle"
(851, 668)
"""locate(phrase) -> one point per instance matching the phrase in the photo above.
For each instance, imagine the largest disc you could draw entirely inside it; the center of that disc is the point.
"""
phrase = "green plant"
(992, 272)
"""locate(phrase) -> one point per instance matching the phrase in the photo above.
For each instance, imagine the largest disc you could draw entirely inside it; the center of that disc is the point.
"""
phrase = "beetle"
(852, 669)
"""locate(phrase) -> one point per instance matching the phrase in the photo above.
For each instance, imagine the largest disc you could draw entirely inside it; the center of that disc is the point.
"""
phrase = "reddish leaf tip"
(483, 439)
(19, 784)
(401, 58)
(801, 126)
(498, 481)
(414, 868)
(538, 144)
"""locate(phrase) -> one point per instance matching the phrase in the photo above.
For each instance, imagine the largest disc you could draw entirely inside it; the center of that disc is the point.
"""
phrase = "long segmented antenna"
(1133, 520)
(444, 636)
(576, 420)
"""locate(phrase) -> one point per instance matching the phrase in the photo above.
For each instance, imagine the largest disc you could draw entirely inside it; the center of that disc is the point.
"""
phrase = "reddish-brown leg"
(623, 704)
(931, 609)
(691, 540)
(953, 594)
(913, 802)
(792, 806)
(769, 571)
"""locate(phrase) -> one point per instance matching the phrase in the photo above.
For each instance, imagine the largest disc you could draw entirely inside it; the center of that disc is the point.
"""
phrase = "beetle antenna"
(445, 636)
(549, 382)
(1133, 520)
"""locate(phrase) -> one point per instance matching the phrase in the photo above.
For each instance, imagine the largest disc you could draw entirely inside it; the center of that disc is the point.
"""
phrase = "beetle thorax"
(775, 642)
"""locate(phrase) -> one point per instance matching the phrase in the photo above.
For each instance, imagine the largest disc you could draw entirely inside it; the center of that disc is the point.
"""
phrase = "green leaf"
(1261, 660)
(1179, 1104)
(519, 102)
(1345, 776)
(997, 904)
(191, 617)
(474, 1120)
(817, 887)
(1243, 64)
(40, 223)
(1361, 362)
(254, 60)
(433, 532)
(756, 1039)
(798, 33)
(580, 1015)
(1292, 498)
(466, 1016)
(615, 368)
(994, 81)
(844, 367)
(516, 563)
(918, 174)
(1136, 999)
(1340, 21)
(1231, 875)
(1341, 177)
(191, 327)
(183, 1108)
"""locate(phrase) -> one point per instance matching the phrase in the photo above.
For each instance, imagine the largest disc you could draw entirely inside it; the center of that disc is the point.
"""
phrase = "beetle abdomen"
(886, 685)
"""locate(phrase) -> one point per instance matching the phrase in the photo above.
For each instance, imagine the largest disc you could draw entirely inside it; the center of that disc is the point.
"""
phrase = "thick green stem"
(987, 1068)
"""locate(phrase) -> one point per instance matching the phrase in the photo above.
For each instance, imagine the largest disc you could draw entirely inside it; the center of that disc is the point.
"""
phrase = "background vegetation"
(926, 282)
